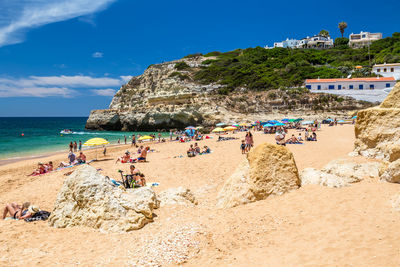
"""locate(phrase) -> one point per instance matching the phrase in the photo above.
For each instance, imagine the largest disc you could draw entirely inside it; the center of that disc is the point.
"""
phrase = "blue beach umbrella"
(285, 120)
(268, 125)
(307, 122)
(279, 124)
(355, 117)
(221, 124)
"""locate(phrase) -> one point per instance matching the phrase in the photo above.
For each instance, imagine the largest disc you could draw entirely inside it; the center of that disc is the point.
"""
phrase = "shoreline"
(48, 154)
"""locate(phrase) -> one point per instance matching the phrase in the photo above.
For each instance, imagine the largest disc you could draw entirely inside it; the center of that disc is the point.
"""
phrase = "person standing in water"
(75, 146)
(125, 139)
(80, 145)
(71, 146)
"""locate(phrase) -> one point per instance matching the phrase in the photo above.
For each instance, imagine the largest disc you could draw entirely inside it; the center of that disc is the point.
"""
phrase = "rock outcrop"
(377, 129)
(168, 96)
(392, 172)
(339, 173)
(177, 196)
(87, 198)
(268, 169)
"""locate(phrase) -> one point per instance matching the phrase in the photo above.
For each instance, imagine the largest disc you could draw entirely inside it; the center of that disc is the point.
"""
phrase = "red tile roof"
(372, 79)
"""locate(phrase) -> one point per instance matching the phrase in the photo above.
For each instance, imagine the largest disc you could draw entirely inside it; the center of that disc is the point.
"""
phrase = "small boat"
(66, 131)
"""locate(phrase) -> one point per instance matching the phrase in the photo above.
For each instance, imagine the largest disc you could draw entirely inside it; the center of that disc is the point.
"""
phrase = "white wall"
(346, 85)
(388, 73)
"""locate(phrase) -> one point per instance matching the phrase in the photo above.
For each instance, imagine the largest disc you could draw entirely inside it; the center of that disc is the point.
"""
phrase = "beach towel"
(39, 216)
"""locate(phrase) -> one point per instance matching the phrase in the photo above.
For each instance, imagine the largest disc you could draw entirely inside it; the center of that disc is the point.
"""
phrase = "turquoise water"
(42, 135)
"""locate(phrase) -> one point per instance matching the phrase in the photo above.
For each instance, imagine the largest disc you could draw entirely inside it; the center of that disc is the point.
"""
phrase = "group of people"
(74, 146)
(196, 150)
(126, 158)
(247, 143)
(42, 168)
(73, 160)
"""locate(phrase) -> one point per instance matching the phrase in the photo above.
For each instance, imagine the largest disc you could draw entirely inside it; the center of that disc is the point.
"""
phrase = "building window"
(378, 70)
(331, 87)
(339, 87)
(351, 86)
(360, 86)
(392, 70)
(387, 85)
(308, 87)
(319, 87)
(384, 70)
(371, 86)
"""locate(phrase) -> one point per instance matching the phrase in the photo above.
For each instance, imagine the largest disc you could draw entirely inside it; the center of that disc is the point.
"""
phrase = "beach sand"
(311, 226)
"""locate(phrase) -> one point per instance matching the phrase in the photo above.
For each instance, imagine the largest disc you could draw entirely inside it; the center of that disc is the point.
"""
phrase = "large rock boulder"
(339, 173)
(177, 196)
(377, 129)
(268, 169)
(392, 172)
(87, 198)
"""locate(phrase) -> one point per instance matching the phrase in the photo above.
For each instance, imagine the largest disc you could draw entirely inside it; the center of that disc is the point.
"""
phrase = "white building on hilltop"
(363, 38)
(387, 70)
(370, 89)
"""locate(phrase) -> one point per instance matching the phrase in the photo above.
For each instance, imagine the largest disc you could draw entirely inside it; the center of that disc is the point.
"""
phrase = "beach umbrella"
(230, 128)
(285, 120)
(235, 125)
(217, 130)
(145, 137)
(199, 127)
(274, 121)
(279, 124)
(96, 142)
(297, 120)
(307, 122)
(341, 121)
(257, 122)
(190, 128)
(243, 124)
(355, 117)
(268, 125)
(221, 124)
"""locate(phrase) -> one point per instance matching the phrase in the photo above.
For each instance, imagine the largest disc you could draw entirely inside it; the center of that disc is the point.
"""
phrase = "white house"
(387, 70)
(372, 83)
(373, 89)
(363, 38)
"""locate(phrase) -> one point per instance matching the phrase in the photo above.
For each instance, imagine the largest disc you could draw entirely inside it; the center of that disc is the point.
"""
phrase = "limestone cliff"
(166, 96)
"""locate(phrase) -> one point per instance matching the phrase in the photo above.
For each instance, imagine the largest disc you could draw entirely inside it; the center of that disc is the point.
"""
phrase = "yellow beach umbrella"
(230, 128)
(243, 124)
(96, 142)
(145, 137)
(217, 130)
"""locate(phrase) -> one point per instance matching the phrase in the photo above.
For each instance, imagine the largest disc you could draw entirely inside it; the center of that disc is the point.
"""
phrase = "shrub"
(181, 65)
(193, 55)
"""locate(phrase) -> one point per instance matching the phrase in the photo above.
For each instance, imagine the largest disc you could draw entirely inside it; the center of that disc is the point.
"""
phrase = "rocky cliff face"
(166, 96)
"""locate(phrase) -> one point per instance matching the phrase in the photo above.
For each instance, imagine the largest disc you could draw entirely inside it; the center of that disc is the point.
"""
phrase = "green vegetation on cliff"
(264, 69)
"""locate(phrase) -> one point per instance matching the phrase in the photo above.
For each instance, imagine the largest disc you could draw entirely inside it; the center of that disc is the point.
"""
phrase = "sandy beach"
(311, 226)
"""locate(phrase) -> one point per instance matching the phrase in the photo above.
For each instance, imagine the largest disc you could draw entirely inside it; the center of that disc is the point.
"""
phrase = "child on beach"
(243, 147)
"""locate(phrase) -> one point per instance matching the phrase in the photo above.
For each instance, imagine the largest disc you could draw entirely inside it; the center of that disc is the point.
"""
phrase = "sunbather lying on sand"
(191, 151)
(42, 168)
(125, 158)
(20, 212)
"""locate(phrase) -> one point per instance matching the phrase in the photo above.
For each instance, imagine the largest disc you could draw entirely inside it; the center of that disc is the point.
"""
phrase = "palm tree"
(342, 26)
(324, 33)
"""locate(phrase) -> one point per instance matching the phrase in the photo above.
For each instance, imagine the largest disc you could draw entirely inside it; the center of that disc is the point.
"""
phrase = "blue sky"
(67, 57)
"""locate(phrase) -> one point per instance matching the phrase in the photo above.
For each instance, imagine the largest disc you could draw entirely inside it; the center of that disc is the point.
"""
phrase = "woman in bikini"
(16, 211)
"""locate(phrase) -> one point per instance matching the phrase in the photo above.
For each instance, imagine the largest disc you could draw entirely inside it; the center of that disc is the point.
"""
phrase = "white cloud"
(97, 55)
(61, 86)
(103, 92)
(17, 16)
(126, 78)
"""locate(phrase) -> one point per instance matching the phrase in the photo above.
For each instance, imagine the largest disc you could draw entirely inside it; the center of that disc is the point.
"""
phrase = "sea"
(29, 137)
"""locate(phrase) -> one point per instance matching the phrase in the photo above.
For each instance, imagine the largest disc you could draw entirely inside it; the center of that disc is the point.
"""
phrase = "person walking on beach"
(80, 145)
(170, 135)
(125, 139)
(71, 146)
(249, 141)
(75, 146)
(119, 141)
(159, 137)
(133, 140)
